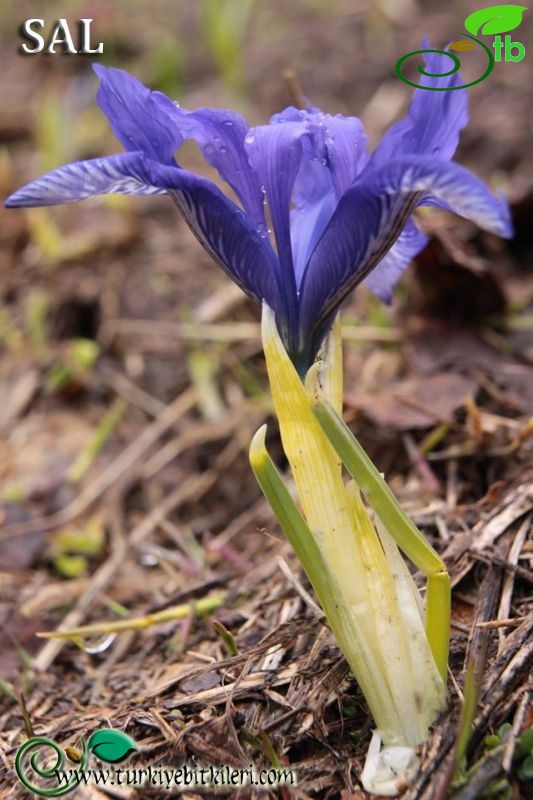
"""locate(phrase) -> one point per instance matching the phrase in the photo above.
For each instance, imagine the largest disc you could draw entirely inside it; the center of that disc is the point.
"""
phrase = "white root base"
(388, 771)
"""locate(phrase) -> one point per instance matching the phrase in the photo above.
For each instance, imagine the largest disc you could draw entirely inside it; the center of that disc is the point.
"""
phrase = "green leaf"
(496, 19)
(526, 739)
(111, 746)
(524, 745)
(491, 741)
(525, 770)
(288, 515)
(504, 729)
(461, 45)
(70, 566)
(227, 638)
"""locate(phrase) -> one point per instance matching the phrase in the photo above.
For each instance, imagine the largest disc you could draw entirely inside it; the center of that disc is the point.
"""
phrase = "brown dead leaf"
(18, 552)
(215, 741)
(415, 403)
(40, 447)
(200, 682)
(17, 389)
(435, 348)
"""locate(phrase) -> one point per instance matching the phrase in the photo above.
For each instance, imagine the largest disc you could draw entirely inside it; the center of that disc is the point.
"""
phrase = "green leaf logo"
(496, 19)
(111, 746)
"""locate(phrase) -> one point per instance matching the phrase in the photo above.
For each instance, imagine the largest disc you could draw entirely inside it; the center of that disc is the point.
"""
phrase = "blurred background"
(131, 381)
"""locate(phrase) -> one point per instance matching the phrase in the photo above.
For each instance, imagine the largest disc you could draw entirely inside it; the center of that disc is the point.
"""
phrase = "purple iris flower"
(338, 215)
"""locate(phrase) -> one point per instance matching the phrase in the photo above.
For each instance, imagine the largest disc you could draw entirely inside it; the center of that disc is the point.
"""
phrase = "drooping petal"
(383, 278)
(141, 119)
(220, 135)
(371, 216)
(231, 238)
(434, 120)
(455, 187)
(275, 154)
(81, 179)
(220, 225)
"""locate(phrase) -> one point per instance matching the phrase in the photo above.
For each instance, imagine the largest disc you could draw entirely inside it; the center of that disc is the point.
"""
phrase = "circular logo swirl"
(452, 71)
(35, 749)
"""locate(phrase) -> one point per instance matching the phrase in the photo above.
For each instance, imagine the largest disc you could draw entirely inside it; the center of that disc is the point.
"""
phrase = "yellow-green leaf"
(462, 44)
(495, 19)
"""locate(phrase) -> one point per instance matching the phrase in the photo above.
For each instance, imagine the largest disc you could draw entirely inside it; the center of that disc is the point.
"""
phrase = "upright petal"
(275, 154)
(346, 154)
(314, 202)
(371, 216)
(220, 135)
(338, 141)
(434, 120)
(141, 119)
(333, 154)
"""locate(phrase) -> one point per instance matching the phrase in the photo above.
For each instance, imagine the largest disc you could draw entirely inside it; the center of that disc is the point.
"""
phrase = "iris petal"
(275, 154)
(338, 142)
(220, 135)
(383, 278)
(221, 227)
(434, 120)
(140, 120)
(346, 150)
(369, 219)
(333, 153)
(450, 184)
(314, 203)
(81, 179)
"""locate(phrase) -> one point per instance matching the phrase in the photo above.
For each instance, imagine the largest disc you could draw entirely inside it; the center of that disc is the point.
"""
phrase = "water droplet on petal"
(249, 138)
(222, 148)
(228, 123)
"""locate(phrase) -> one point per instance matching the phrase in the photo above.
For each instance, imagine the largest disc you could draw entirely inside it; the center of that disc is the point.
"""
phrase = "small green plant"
(496, 743)
(523, 749)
